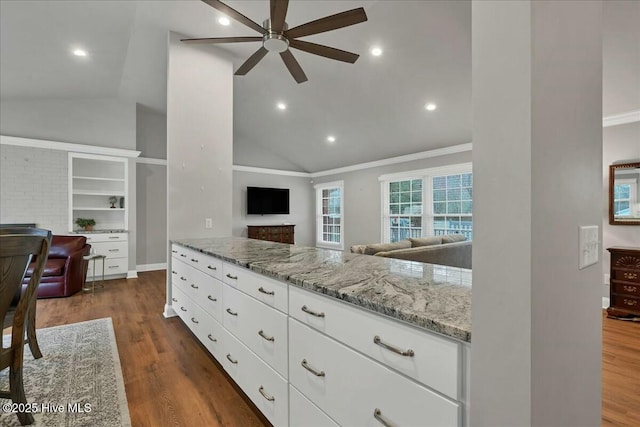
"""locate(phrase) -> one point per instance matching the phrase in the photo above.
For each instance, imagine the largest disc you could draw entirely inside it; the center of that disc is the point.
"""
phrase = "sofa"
(66, 270)
(449, 249)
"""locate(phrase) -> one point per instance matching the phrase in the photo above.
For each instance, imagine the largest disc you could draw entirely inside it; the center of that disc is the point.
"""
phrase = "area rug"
(77, 382)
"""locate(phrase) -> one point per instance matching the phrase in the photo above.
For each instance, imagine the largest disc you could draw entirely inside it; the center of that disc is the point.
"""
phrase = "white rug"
(77, 382)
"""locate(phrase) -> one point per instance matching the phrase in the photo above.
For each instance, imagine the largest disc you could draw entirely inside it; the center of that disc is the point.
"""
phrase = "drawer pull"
(235, 362)
(232, 277)
(183, 278)
(266, 337)
(183, 255)
(306, 366)
(311, 312)
(175, 252)
(210, 267)
(631, 276)
(114, 237)
(408, 352)
(630, 302)
(194, 260)
(231, 312)
(174, 300)
(114, 266)
(377, 413)
(261, 289)
(174, 272)
(210, 298)
(114, 250)
(212, 338)
(193, 285)
(265, 395)
(194, 320)
(183, 309)
(630, 289)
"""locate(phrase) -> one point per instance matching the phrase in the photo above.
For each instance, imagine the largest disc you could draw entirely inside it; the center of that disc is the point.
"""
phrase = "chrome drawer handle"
(212, 338)
(183, 278)
(114, 237)
(183, 309)
(311, 312)
(231, 312)
(194, 320)
(114, 250)
(183, 255)
(194, 260)
(265, 395)
(210, 267)
(175, 252)
(408, 353)
(209, 297)
(377, 413)
(235, 362)
(266, 337)
(193, 285)
(232, 277)
(261, 289)
(306, 366)
(114, 266)
(174, 300)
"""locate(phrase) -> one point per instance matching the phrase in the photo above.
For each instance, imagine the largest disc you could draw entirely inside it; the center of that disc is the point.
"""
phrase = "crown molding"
(621, 119)
(270, 171)
(66, 146)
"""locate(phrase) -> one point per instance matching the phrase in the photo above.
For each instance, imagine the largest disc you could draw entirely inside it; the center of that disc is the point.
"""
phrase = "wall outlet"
(589, 245)
(208, 223)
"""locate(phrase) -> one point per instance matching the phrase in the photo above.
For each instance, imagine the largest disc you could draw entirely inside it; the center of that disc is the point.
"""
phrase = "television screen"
(267, 201)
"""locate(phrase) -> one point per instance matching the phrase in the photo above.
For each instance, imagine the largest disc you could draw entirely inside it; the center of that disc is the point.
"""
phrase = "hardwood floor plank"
(171, 380)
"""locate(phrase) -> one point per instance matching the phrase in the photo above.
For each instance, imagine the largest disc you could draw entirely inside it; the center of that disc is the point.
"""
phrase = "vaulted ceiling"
(374, 108)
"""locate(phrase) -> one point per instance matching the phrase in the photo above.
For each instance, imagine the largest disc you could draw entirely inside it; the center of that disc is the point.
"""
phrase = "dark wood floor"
(171, 379)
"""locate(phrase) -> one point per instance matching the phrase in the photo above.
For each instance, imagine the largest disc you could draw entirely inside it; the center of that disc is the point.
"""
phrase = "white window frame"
(427, 197)
(320, 243)
(633, 191)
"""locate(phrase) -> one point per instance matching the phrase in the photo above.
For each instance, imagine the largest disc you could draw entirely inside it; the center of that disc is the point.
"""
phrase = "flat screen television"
(267, 201)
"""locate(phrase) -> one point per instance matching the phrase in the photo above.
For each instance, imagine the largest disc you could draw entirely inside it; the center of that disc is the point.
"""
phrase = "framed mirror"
(624, 194)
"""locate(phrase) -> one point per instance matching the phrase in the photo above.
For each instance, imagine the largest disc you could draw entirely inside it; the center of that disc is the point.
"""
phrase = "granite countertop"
(434, 297)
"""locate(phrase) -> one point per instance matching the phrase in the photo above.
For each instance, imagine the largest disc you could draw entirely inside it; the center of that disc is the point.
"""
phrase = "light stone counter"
(430, 296)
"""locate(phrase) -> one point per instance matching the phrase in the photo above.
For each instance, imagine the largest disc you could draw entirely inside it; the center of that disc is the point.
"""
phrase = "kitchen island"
(318, 329)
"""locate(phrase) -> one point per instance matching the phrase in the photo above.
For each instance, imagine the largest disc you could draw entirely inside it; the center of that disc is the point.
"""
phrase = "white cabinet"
(93, 180)
(115, 247)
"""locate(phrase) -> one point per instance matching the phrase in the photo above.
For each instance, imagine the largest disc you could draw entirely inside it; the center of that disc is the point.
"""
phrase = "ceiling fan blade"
(328, 23)
(293, 66)
(216, 40)
(278, 14)
(251, 62)
(234, 14)
(326, 51)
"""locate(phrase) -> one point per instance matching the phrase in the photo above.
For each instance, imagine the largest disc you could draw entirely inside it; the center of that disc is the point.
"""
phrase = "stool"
(94, 257)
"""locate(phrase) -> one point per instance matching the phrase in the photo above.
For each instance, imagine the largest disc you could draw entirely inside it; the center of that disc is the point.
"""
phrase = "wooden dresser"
(272, 233)
(624, 292)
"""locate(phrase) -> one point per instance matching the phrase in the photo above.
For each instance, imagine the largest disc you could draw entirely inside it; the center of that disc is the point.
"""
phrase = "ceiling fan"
(277, 37)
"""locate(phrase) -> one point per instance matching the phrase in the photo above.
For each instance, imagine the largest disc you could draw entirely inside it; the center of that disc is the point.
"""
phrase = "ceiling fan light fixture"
(275, 42)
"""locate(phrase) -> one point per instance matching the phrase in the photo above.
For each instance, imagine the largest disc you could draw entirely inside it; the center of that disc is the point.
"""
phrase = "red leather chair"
(65, 271)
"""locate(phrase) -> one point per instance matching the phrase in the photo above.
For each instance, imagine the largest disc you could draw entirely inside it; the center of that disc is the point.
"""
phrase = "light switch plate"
(589, 245)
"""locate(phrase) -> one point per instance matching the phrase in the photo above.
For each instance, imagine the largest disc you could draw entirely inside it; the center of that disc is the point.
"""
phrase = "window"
(329, 208)
(624, 193)
(429, 202)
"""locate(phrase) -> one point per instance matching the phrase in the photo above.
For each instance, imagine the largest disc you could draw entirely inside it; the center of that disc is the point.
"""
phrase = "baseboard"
(169, 311)
(605, 302)
(132, 274)
(151, 267)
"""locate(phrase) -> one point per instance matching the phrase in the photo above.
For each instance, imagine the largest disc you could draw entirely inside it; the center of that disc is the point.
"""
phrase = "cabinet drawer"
(259, 327)
(111, 266)
(111, 249)
(106, 237)
(304, 413)
(180, 274)
(211, 334)
(203, 262)
(629, 289)
(269, 291)
(350, 387)
(429, 359)
(625, 302)
(181, 305)
(632, 276)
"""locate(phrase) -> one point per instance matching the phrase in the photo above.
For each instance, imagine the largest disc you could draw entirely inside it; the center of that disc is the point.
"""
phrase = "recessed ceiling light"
(331, 139)
(431, 107)
(281, 106)
(79, 52)
(376, 51)
(223, 20)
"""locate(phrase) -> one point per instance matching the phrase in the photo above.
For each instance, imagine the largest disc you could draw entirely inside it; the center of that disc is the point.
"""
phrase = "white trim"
(169, 312)
(151, 161)
(270, 171)
(621, 119)
(399, 159)
(132, 274)
(440, 170)
(66, 146)
(151, 267)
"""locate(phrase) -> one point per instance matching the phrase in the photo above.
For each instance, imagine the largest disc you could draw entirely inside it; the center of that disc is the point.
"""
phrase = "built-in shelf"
(98, 193)
(95, 178)
(97, 209)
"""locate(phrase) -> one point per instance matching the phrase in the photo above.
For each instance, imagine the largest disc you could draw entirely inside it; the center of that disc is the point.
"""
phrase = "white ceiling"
(375, 107)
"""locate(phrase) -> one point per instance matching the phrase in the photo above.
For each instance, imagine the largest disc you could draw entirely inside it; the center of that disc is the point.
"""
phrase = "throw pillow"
(385, 247)
(425, 241)
(452, 238)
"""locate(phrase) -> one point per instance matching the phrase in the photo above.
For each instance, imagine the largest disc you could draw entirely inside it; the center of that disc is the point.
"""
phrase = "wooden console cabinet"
(272, 233)
(624, 291)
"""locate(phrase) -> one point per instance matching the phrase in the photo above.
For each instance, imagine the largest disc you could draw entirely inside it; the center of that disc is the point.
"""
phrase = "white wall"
(301, 204)
(103, 122)
(362, 205)
(536, 350)
(34, 187)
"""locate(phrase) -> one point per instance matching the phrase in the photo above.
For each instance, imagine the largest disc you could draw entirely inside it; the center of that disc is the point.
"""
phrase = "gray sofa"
(451, 249)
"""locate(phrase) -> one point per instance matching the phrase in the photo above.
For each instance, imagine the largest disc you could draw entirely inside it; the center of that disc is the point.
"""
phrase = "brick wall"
(34, 187)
